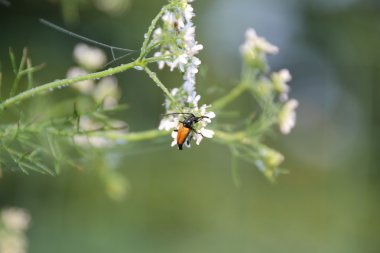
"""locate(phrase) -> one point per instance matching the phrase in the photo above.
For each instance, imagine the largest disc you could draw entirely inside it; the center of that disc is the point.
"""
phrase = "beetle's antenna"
(175, 113)
(63, 30)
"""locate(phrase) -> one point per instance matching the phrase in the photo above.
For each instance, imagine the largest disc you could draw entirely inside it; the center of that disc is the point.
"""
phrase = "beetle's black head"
(191, 120)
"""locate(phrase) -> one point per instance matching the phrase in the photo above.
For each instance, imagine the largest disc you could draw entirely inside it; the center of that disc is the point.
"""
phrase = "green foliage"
(52, 140)
(45, 142)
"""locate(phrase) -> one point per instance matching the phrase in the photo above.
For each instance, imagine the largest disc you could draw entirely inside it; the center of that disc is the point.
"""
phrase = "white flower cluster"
(90, 59)
(287, 116)
(113, 7)
(176, 39)
(172, 121)
(254, 51)
(200, 129)
(88, 125)
(104, 91)
(254, 44)
(13, 224)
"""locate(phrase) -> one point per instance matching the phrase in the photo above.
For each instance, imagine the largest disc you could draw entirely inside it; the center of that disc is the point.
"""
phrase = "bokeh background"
(187, 201)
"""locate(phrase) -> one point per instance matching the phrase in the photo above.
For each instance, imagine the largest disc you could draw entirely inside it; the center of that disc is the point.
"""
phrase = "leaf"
(13, 60)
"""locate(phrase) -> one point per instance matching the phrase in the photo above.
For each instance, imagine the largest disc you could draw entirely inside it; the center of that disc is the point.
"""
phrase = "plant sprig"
(169, 41)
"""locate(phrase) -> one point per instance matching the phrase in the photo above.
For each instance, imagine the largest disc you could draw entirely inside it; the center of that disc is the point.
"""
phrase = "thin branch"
(144, 51)
(64, 82)
(230, 97)
(155, 79)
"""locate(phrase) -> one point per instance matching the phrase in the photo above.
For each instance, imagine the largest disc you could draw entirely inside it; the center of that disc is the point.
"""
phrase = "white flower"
(287, 116)
(280, 81)
(189, 34)
(161, 64)
(169, 18)
(255, 48)
(285, 75)
(94, 141)
(180, 61)
(194, 49)
(271, 157)
(13, 243)
(179, 33)
(15, 219)
(157, 33)
(91, 58)
(112, 7)
(259, 42)
(188, 13)
(174, 136)
(171, 122)
(203, 133)
(200, 127)
(86, 86)
(87, 124)
(168, 123)
(107, 92)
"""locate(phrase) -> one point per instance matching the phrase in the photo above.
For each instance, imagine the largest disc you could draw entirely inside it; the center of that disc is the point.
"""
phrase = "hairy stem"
(155, 79)
(226, 137)
(143, 50)
(132, 137)
(59, 83)
(230, 97)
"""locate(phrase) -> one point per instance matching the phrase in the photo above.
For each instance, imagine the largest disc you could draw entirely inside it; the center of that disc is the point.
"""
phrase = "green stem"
(1, 82)
(112, 135)
(19, 75)
(155, 79)
(132, 137)
(29, 73)
(60, 83)
(230, 97)
(143, 50)
(230, 137)
(157, 58)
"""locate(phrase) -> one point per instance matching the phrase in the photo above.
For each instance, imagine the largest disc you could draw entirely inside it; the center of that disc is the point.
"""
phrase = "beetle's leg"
(188, 139)
(200, 118)
(196, 132)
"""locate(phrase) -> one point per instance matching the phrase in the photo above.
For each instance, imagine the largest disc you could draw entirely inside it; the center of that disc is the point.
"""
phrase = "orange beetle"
(186, 127)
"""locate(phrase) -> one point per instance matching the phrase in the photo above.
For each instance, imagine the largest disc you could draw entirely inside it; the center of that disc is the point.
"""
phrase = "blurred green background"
(186, 201)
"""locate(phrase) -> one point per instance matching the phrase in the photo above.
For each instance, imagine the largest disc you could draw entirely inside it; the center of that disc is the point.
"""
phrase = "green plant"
(44, 143)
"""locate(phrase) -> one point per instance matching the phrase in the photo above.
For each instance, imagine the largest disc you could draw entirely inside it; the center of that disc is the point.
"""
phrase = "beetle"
(186, 127)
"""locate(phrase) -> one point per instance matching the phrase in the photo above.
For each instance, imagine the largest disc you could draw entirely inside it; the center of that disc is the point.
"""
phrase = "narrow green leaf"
(13, 60)
(18, 73)
(30, 167)
(1, 82)
(23, 59)
(30, 73)
(57, 167)
(31, 69)
(21, 166)
(54, 147)
(44, 168)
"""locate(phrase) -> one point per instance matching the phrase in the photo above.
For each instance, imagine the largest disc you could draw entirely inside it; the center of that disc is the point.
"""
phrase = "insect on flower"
(185, 128)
